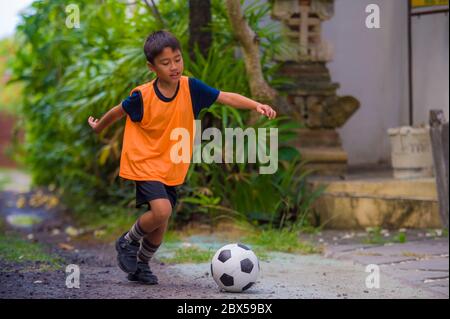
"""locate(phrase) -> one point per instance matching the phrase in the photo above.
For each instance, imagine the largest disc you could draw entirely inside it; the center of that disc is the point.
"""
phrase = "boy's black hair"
(157, 42)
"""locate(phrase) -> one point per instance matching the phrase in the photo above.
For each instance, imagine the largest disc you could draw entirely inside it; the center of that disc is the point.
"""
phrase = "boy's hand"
(93, 122)
(266, 110)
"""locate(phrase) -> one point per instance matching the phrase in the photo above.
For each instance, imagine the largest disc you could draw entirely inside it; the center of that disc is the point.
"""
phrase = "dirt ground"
(340, 272)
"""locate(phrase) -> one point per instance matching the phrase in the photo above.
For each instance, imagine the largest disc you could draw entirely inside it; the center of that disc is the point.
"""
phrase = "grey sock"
(146, 251)
(135, 234)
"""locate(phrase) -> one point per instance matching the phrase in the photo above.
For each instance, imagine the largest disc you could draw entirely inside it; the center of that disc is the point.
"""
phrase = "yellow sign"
(428, 3)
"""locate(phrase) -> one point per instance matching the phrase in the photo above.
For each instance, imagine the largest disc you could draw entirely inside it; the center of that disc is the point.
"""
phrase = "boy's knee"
(162, 212)
(165, 214)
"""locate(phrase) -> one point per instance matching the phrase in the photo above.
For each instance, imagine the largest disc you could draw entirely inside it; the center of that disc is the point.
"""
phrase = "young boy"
(153, 110)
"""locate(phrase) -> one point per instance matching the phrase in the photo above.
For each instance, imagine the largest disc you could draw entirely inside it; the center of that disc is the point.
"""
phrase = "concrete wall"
(430, 61)
(371, 64)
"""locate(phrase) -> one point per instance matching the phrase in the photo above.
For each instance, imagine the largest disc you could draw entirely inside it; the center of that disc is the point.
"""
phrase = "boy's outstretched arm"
(241, 102)
(113, 115)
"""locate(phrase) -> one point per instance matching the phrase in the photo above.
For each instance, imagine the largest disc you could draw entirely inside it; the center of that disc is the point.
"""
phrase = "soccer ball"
(235, 268)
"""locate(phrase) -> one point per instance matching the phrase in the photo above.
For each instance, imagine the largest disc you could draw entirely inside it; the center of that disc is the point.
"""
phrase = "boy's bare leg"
(151, 221)
(154, 223)
(149, 229)
(156, 236)
(156, 217)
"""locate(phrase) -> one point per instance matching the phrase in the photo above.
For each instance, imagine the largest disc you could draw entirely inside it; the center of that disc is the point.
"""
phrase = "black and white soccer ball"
(235, 268)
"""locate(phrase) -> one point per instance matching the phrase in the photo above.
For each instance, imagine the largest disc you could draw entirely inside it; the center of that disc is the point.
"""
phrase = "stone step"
(323, 154)
(377, 202)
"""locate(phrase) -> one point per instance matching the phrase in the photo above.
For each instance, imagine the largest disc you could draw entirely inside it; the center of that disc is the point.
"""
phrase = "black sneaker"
(143, 275)
(127, 254)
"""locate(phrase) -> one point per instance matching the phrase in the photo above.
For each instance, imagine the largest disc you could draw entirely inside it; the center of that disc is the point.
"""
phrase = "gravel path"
(417, 269)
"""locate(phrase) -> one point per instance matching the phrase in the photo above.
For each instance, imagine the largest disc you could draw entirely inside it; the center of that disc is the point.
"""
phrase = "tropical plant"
(70, 74)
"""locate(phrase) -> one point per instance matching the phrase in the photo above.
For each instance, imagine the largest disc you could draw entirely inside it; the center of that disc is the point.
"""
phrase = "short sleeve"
(132, 105)
(202, 95)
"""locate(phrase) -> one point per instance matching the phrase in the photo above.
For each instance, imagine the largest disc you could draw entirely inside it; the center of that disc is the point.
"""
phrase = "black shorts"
(150, 190)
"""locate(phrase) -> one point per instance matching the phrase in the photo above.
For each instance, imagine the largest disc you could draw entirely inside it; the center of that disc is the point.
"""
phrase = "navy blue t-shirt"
(202, 96)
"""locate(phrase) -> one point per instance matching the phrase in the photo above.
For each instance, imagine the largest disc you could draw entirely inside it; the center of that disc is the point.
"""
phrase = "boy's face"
(168, 65)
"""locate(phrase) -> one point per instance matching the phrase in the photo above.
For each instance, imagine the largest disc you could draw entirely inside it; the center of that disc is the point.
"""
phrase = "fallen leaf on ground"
(66, 246)
(72, 231)
(21, 201)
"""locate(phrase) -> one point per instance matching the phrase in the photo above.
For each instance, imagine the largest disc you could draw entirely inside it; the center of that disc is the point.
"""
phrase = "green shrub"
(70, 74)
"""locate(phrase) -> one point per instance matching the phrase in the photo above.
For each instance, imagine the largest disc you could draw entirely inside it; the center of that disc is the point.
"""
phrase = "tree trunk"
(249, 41)
(155, 12)
(199, 20)
(439, 145)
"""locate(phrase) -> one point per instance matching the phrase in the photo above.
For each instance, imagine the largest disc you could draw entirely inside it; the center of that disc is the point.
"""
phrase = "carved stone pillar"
(312, 98)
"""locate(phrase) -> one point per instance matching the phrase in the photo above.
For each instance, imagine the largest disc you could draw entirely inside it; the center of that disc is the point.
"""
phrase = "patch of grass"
(2, 226)
(22, 220)
(309, 229)
(4, 180)
(17, 250)
(172, 236)
(375, 236)
(280, 240)
(261, 253)
(436, 233)
(189, 255)
(368, 254)
(107, 223)
(415, 255)
(400, 238)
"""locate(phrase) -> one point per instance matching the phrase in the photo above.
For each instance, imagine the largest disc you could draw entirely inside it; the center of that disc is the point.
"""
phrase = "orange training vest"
(147, 145)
